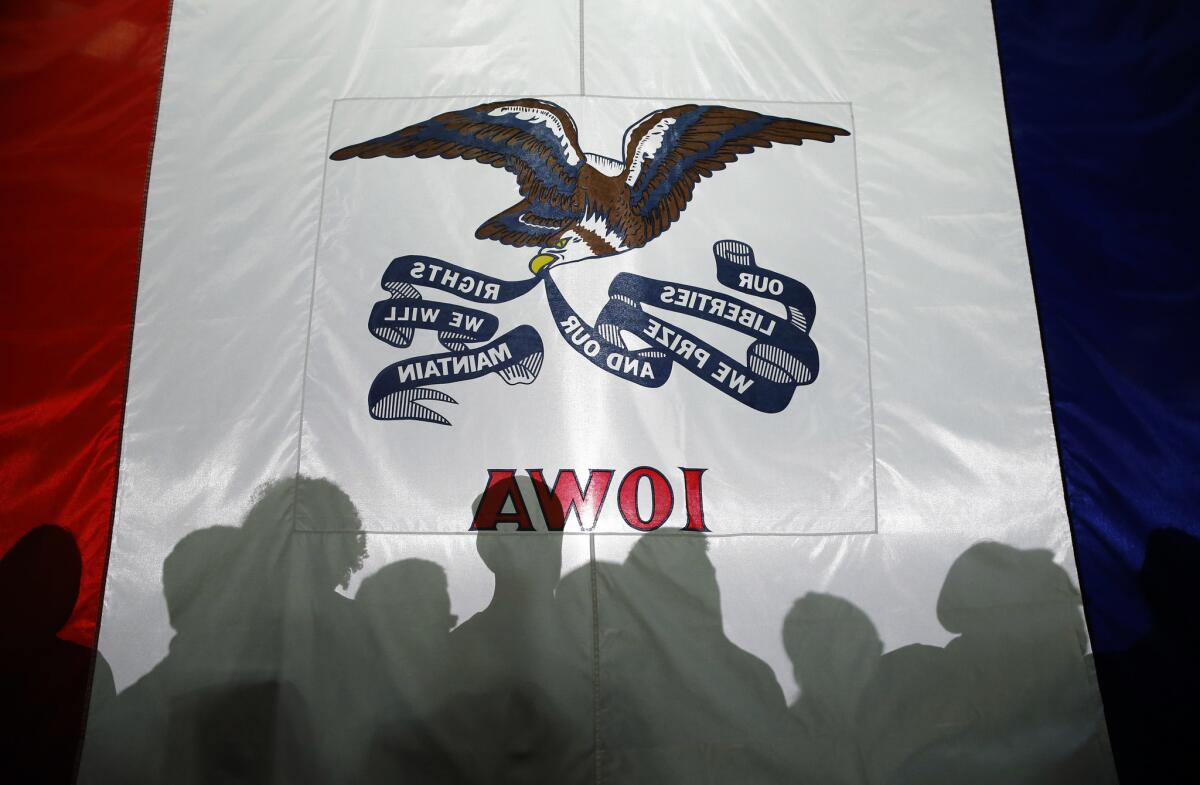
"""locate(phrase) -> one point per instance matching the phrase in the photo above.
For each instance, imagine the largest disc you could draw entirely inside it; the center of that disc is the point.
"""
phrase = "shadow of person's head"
(528, 551)
(409, 597)
(834, 648)
(997, 591)
(317, 520)
(195, 578)
(39, 585)
(534, 559)
(672, 571)
(1170, 582)
(44, 679)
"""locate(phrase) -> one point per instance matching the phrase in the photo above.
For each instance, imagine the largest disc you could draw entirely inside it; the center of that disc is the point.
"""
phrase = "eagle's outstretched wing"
(668, 151)
(535, 140)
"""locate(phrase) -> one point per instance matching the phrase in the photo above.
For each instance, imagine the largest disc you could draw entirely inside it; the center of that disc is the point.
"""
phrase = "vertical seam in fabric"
(1037, 311)
(862, 246)
(596, 768)
(312, 299)
(582, 84)
(112, 518)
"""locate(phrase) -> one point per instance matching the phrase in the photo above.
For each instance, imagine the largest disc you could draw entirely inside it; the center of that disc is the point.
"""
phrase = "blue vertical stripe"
(1103, 101)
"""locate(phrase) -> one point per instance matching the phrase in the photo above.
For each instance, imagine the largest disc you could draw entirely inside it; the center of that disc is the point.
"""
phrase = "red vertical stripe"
(79, 86)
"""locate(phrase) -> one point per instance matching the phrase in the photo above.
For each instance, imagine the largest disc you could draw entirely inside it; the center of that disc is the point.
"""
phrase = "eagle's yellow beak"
(541, 260)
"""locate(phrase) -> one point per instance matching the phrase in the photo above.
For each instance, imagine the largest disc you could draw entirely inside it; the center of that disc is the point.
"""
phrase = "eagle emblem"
(577, 205)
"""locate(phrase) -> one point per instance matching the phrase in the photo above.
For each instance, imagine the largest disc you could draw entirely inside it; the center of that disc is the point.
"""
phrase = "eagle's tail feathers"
(523, 225)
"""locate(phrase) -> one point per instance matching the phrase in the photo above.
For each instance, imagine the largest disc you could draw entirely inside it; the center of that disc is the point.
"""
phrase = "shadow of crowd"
(613, 672)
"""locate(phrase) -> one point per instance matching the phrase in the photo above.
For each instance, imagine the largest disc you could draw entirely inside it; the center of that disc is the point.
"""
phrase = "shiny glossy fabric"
(79, 91)
(1127, 416)
(893, 601)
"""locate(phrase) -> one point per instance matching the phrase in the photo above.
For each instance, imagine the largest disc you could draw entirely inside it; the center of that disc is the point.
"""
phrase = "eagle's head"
(565, 248)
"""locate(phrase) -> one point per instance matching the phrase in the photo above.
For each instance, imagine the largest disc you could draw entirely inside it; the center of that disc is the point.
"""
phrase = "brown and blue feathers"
(613, 205)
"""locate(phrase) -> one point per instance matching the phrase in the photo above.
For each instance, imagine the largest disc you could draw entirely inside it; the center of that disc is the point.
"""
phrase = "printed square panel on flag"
(744, 379)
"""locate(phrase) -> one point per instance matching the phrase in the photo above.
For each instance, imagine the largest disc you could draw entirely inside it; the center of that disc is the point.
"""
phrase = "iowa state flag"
(565, 392)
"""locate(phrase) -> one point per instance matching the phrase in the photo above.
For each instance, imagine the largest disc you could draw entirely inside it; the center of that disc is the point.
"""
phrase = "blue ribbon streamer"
(781, 358)
(397, 391)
